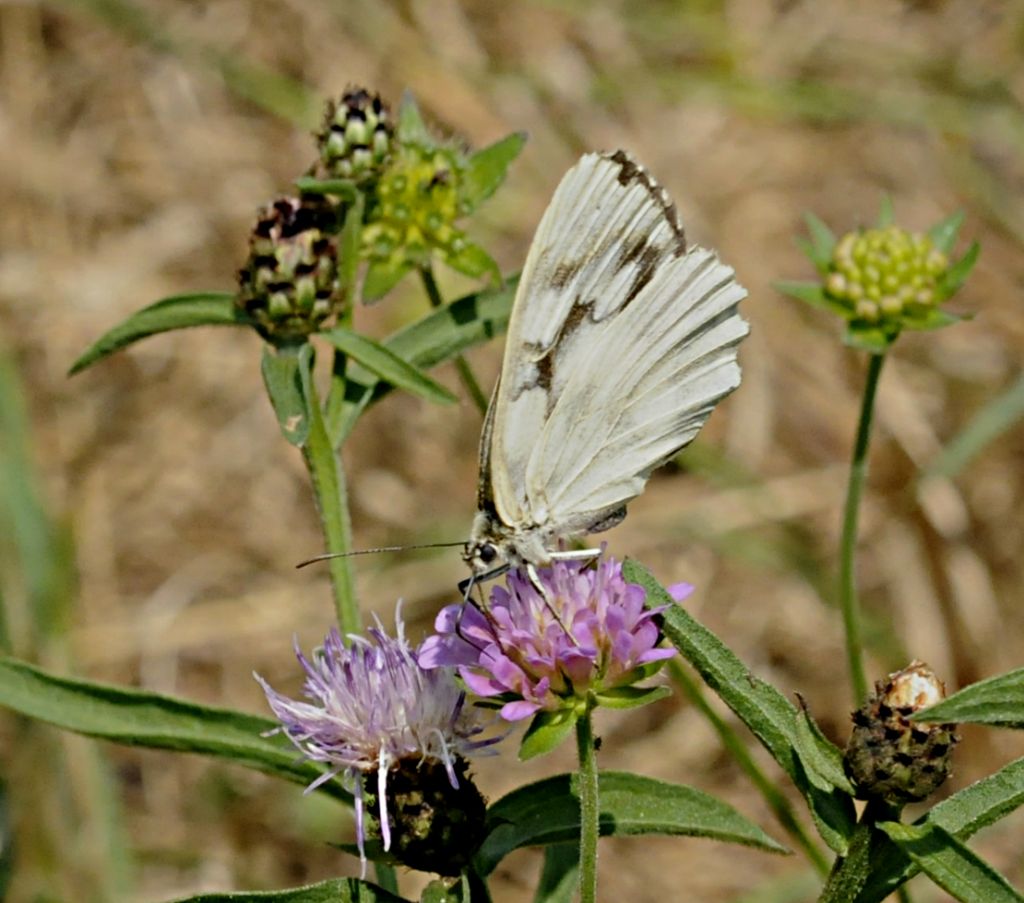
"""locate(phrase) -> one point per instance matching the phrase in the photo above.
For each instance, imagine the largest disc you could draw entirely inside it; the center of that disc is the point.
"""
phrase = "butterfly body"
(621, 342)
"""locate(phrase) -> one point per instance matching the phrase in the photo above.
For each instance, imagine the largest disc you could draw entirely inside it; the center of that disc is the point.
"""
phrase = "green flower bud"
(435, 827)
(289, 285)
(880, 275)
(889, 757)
(355, 139)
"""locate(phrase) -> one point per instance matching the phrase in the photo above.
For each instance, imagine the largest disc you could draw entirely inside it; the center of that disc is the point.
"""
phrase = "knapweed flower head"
(355, 138)
(389, 727)
(884, 279)
(581, 637)
(289, 285)
(889, 756)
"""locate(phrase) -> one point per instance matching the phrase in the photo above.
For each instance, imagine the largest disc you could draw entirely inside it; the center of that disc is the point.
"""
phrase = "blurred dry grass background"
(137, 140)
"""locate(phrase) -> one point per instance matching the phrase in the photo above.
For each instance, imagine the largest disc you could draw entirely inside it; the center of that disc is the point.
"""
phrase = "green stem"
(386, 877)
(474, 887)
(331, 494)
(771, 793)
(848, 543)
(461, 364)
(589, 808)
(850, 872)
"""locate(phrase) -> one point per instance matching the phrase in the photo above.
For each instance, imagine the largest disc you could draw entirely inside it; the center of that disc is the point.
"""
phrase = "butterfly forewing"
(620, 344)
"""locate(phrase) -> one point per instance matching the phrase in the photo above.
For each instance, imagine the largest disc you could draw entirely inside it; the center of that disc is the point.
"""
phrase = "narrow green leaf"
(943, 234)
(36, 549)
(411, 128)
(807, 249)
(868, 338)
(822, 759)
(813, 294)
(342, 188)
(337, 890)
(560, 875)
(487, 168)
(177, 312)
(961, 815)
(763, 709)
(546, 731)
(139, 718)
(999, 415)
(475, 262)
(823, 241)
(383, 363)
(997, 700)
(957, 274)
(950, 864)
(547, 812)
(280, 368)
(932, 319)
(886, 214)
(382, 276)
(631, 697)
(439, 336)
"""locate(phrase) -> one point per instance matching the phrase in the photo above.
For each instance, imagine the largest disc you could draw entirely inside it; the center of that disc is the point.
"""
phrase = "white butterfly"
(621, 342)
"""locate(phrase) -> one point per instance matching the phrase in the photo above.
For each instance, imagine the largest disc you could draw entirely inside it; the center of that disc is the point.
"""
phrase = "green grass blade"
(995, 418)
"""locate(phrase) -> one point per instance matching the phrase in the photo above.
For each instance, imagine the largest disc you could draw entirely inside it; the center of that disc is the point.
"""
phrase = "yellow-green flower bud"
(356, 136)
(897, 272)
(417, 205)
(890, 757)
(289, 285)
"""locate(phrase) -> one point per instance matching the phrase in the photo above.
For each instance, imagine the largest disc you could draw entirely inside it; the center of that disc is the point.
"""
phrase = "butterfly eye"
(487, 553)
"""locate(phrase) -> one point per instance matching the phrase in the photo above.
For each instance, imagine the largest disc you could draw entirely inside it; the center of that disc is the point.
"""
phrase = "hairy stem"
(850, 872)
(589, 808)
(331, 493)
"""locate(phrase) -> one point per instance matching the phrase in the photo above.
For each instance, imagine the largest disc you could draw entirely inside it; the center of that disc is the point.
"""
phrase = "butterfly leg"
(534, 578)
(576, 554)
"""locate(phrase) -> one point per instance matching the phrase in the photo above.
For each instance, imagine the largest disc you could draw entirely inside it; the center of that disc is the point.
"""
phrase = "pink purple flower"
(588, 631)
(373, 706)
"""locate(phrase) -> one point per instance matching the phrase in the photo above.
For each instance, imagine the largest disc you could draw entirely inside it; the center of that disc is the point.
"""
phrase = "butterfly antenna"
(326, 556)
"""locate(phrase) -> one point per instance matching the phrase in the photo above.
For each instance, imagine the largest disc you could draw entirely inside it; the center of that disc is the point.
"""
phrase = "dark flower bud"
(435, 826)
(289, 285)
(890, 757)
(356, 136)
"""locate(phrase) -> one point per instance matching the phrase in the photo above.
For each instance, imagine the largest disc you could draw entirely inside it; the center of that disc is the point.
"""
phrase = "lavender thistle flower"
(375, 709)
(518, 650)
